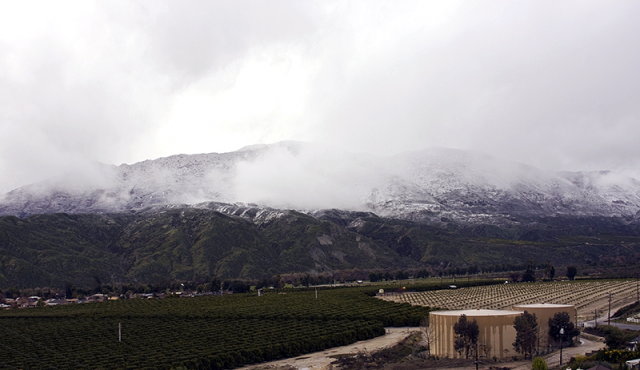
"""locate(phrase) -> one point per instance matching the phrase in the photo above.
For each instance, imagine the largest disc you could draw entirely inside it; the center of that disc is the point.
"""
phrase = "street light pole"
(561, 340)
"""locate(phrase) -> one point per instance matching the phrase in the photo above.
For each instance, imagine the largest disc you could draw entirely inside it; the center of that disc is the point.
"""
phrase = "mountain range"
(429, 185)
(300, 208)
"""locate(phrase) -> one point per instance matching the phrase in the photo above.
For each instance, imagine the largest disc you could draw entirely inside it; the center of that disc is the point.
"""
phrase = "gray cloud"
(547, 83)
(92, 82)
(307, 177)
(553, 86)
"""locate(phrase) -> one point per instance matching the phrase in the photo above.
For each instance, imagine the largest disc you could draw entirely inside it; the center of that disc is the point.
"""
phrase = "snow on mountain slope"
(454, 183)
(427, 185)
(179, 179)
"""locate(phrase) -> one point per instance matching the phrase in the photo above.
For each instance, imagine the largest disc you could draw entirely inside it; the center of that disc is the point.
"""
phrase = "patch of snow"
(431, 185)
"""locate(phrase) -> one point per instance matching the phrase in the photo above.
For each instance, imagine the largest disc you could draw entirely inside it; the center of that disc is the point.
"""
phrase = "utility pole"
(119, 332)
(609, 314)
(316, 293)
(476, 361)
(595, 318)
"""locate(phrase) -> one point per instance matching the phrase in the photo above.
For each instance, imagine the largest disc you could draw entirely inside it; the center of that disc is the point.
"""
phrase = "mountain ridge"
(166, 244)
(426, 185)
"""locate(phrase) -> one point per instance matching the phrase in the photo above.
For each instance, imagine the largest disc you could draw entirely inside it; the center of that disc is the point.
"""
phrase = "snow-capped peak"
(428, 184)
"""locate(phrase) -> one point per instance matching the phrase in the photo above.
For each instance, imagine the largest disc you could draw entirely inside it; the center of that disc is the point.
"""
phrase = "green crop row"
(168, 342)
(202, 332)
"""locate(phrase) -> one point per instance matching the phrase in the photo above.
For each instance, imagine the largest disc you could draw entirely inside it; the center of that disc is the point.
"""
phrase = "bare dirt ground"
(322, 360)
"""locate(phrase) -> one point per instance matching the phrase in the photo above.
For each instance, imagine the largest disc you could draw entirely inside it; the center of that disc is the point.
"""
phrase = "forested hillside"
(161, 246)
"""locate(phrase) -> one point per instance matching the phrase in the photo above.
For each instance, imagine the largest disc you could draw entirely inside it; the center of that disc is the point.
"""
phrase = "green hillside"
(164, 246)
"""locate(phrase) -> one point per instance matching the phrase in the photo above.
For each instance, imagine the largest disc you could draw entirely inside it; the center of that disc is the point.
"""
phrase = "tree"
(562, 320)
(572, 271)
(466, 336)
(68, 290)
(428, 333)
(306, 280)
(539, 363)
(514, 276)
(616, 338)
(526, 326)
(422, 274)
(529, 274)
(215, 284)
(278, 282)
(486, 350)
(549, 271)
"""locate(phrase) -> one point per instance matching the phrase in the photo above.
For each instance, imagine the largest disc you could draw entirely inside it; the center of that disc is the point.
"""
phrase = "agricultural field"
(587, 296)
(210, 332)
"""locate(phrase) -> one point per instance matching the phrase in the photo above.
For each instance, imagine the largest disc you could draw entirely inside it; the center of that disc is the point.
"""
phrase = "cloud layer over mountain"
(554, 85)
(430, 185)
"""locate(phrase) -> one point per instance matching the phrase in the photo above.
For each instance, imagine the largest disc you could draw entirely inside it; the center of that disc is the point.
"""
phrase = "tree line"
(527, 334)
(217, 284)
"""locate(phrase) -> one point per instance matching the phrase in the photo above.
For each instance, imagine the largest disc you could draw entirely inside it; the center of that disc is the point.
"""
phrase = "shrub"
(539, 363)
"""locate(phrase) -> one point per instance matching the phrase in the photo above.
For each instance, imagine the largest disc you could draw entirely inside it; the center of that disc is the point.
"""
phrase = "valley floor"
(323, 359)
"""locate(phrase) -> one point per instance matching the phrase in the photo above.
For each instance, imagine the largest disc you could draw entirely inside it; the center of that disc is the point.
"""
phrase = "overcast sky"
(555, 84)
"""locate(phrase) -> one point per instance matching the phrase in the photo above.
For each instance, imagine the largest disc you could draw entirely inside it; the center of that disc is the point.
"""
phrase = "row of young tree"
(548, 272)
(216, 284)
(527, 334)
(531, 273)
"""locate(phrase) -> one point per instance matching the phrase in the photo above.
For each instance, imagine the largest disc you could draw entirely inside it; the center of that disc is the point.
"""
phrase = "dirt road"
(323, 359)
(553, 358)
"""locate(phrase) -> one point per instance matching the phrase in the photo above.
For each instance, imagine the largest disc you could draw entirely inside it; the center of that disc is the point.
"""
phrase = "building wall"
(543, 314)
(495, 339)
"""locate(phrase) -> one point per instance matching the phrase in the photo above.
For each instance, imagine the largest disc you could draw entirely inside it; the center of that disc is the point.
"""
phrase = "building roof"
(544, 305)
(478, 312)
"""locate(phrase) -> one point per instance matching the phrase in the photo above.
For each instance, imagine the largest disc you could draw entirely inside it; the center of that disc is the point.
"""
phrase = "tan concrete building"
(545, 311)
(495, 339)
